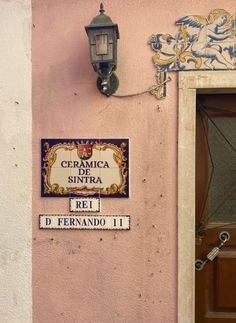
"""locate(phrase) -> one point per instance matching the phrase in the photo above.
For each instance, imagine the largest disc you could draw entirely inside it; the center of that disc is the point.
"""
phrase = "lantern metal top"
(102, 20)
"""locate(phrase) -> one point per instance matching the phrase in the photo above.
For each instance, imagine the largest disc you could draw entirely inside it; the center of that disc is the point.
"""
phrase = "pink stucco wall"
(106, 277)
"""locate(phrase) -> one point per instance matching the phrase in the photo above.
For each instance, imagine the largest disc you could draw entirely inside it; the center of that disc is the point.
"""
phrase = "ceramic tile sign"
(84, 222)
(85, 167)
(85, 204)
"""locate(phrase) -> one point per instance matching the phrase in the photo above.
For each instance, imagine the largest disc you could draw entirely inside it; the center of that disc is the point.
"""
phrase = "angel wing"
(233, 21)
(193, 21)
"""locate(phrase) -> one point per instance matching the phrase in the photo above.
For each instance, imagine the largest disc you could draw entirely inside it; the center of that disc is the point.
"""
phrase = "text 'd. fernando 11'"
(84, 222)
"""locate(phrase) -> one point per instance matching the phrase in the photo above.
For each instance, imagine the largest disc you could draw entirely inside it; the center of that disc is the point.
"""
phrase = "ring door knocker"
(224, 236)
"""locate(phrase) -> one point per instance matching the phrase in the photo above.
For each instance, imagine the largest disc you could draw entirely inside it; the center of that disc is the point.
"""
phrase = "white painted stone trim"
(189, 84)
(15, 162)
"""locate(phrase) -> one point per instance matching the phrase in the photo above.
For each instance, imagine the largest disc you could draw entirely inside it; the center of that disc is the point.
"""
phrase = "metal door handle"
(224, 236)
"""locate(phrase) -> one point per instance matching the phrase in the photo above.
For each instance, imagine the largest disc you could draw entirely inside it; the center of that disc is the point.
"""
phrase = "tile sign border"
(89, 167)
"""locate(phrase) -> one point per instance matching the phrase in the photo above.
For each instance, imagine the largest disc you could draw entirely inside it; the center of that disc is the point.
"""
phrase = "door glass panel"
(222, 169)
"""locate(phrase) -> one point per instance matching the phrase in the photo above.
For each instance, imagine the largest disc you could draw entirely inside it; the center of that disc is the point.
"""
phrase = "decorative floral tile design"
(202, 43)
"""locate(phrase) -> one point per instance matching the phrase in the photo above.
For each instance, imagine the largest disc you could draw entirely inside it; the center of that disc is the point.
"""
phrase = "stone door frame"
(191, 83)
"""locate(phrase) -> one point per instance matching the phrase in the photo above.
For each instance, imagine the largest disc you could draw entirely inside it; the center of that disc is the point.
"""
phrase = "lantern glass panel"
(101, 44)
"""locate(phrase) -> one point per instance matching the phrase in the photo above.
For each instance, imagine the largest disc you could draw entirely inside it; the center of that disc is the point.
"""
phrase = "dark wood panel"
(226, 280)
(213, 231)
(219, 317)
(218, 103)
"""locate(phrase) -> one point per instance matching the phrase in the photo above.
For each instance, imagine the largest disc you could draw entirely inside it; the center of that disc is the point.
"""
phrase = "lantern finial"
(101, 8)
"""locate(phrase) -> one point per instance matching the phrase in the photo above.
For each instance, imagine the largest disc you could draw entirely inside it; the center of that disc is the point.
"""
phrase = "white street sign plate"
(85, 204)
(84, 222)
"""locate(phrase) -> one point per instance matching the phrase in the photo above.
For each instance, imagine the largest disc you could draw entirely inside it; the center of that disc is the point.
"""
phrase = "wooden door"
(215, 284)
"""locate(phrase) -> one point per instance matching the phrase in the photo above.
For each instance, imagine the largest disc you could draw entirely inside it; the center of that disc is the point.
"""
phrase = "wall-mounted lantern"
(103, 35)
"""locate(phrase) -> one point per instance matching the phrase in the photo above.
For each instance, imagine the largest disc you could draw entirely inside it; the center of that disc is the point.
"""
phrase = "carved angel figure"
(217, 27)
